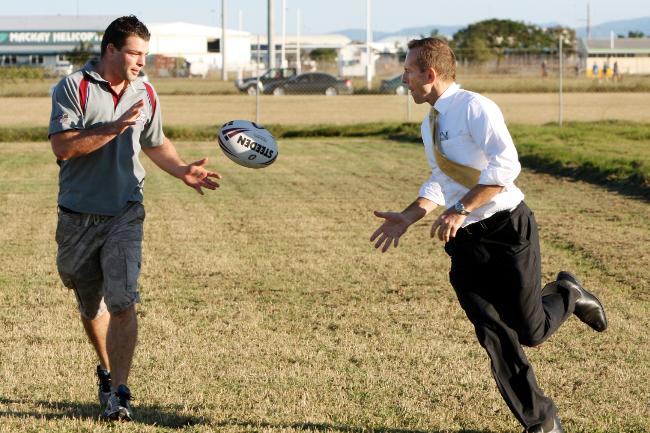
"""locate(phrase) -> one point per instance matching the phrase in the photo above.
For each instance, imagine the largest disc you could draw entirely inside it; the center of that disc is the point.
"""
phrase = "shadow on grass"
(324, 427)
(634, 186)
(163, 416)
(168, 417)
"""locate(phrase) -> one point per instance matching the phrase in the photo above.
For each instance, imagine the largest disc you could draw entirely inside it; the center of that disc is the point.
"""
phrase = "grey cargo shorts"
(99, 258)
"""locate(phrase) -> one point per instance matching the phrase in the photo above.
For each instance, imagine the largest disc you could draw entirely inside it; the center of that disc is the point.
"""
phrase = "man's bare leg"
(96, 329)
(120, 343)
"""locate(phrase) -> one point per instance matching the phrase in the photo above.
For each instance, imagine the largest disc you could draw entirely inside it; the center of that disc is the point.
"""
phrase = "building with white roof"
(632, 55)
(46, 40)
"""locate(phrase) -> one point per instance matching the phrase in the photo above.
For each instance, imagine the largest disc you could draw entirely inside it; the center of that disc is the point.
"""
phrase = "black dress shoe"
(539, 428)
(588, 307)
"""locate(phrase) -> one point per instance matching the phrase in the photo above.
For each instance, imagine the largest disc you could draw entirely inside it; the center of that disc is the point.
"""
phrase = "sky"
(327, 16)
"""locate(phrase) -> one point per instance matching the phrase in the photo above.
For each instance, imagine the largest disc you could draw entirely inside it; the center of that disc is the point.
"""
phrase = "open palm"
(395, 225)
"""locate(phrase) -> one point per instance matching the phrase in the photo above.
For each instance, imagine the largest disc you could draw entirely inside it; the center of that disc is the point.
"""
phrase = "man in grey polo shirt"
(102, 116)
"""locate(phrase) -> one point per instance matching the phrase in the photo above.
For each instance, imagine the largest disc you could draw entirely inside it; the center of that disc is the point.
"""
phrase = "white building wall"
(352, 60)
(626, 65)
(631, 65)
(191, 42)
(169, 45)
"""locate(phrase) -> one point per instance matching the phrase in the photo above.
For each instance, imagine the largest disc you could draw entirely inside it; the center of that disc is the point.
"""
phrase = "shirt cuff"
(56, 127)
(432, 193)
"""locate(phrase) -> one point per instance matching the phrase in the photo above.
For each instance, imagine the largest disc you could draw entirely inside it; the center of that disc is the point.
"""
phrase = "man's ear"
(431, 75)
(110, 48)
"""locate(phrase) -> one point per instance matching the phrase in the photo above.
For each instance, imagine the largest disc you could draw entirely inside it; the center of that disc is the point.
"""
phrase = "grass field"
(538, 108)
(496, 83)
(615, 154)
(266, 309)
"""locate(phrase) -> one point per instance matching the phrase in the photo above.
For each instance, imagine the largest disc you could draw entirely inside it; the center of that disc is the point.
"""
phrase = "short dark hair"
(119, 30)
(437, 54)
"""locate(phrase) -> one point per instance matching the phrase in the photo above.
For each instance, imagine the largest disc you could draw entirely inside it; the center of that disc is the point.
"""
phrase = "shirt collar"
(442, 104)
(89, 70)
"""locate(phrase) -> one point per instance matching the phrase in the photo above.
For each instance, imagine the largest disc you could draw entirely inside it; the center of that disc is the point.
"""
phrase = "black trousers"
(495, 271)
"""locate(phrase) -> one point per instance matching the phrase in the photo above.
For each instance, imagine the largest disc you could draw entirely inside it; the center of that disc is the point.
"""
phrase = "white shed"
(201, 44)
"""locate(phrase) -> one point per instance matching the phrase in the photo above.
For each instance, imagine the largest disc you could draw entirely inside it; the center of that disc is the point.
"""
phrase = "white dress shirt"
(473, 133)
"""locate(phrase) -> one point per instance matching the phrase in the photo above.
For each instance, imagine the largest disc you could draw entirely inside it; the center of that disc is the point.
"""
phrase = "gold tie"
(466, 176)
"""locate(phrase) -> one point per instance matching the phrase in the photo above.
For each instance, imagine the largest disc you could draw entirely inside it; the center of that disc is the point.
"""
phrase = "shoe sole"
(120, 415)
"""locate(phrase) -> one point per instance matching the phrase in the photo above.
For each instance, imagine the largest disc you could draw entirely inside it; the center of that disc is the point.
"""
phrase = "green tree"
(506, 37)
(476, 50)
(635, 34)
(323, 55)
(80, 54)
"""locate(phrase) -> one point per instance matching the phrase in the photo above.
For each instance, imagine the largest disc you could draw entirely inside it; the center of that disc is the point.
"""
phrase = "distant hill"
(600, 31)
(360, 34)
(618, 27)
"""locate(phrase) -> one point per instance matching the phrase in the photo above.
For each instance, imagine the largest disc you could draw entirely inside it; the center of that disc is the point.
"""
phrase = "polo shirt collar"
(443, 102)
(89, 70)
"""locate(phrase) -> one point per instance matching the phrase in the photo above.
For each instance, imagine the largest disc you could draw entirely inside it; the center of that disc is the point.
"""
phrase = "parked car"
(393, 85)
(271, 77)
(312, 82)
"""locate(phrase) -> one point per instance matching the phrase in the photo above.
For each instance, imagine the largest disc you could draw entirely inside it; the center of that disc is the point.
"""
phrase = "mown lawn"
(615, 154)
(266, 309)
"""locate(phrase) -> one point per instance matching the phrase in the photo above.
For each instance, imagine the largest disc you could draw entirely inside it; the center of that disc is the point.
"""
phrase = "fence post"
(561, 73)
(257, 84)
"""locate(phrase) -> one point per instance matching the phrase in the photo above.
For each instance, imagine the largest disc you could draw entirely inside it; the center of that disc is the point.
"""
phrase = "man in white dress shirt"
(489, 232)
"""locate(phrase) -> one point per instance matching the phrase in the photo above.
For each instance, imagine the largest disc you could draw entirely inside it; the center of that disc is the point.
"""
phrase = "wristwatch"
(459, 207)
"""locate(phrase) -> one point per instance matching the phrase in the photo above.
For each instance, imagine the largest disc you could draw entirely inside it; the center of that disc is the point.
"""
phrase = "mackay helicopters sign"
(45, 38)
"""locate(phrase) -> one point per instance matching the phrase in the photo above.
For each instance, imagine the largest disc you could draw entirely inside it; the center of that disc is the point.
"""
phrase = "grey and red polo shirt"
(103, 181)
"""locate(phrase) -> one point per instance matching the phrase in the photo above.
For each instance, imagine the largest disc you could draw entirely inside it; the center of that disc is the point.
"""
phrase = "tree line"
(496, 38)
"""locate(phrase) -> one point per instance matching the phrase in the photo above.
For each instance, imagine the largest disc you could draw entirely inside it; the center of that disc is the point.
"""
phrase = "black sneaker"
(118, 407)
(103, 385)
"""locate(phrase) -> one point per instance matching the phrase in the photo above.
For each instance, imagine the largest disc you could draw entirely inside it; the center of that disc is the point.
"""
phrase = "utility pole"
(561, 73)
(224, 72)
(257, 84)
(368, 50)
(588, 22)
(240, 72)
(298, 59)
(271, 42)
(283, 58)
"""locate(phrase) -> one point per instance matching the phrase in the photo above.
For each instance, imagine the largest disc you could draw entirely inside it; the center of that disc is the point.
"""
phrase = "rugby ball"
(248, 144)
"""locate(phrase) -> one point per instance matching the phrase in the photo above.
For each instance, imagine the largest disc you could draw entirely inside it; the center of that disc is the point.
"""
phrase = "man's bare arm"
(72, 144)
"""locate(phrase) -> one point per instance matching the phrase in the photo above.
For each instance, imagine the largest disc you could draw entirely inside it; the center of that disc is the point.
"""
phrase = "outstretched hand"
(197, 177)
(394, 226)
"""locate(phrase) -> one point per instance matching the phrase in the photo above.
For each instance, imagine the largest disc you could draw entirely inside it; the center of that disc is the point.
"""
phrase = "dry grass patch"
(266, 309)
(184, 110)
